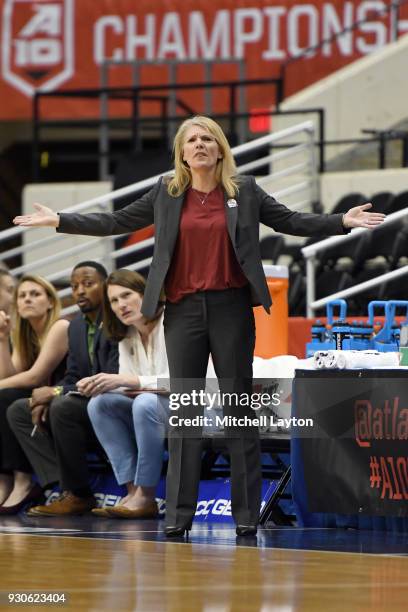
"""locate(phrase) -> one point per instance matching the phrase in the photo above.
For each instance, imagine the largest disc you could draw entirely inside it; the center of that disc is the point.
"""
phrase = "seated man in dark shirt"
(57, 445)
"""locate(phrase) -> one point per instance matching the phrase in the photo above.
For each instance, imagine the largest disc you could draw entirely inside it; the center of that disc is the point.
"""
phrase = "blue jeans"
(132, 432)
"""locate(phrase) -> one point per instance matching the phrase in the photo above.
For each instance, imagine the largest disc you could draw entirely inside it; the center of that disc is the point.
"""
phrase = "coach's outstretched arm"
(136, 215)
(43, 217)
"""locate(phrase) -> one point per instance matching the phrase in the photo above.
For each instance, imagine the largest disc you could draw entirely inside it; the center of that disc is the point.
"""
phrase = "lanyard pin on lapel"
(232, 203)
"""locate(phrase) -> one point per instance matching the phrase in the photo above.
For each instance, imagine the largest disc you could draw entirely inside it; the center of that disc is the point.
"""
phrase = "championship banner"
(355, 456)
(49, 45)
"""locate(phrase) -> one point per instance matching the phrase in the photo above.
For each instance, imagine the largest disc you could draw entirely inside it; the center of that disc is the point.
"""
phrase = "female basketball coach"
(207, 256)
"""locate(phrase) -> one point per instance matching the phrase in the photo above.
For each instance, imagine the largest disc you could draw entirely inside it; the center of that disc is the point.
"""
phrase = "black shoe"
(177, 531)
(246, 530)
(35, 495)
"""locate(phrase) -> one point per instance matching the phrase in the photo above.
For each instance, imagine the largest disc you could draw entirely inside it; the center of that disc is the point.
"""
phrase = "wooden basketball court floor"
(108, 564)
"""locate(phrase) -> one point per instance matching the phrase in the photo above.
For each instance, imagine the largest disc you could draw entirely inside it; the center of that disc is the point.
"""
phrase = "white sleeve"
(126, 361)
(159, 382)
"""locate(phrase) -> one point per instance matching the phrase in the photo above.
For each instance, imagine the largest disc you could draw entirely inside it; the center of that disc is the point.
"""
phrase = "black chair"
(400, 252)
(396, 289)
(332, 281)
(353, 250)
(356, 250)
(348, 201)
(381, 243)
(358, 303)
(294, 251)
(399, 202)
(381, 201)
(296, 293)
(271, 247)
(328, 282)
(294, 254)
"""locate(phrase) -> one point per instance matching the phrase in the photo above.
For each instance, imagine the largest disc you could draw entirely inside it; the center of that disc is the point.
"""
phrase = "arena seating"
(271, 247)
(348, 201)
(399, 202)
(350, 263)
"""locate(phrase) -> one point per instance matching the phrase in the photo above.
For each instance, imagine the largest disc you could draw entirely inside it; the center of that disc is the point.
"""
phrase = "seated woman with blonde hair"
(131, 429)
(39, 341)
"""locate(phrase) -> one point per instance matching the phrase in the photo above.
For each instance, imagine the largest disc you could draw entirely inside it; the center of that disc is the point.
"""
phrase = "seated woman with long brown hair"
(39, 342)
(131, 429)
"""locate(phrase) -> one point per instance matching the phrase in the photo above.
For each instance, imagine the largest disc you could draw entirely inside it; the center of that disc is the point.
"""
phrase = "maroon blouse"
(203, 257)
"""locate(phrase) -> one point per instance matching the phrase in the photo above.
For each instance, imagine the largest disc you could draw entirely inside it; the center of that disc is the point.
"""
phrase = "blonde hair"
(226, 171)
(25, 341)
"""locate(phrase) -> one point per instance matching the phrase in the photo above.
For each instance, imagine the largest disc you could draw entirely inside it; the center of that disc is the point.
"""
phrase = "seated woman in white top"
(131, 423)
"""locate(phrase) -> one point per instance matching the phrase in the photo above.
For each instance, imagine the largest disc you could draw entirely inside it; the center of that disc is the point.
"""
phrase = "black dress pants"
(12, 456)
(39, 448)
(220, 323)
(61, 453)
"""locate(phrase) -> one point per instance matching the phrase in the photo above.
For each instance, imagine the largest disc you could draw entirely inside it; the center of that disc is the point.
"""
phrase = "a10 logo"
(37, 43)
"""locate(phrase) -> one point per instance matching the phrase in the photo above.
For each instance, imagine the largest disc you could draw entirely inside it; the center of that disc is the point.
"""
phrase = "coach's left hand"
(359, 217)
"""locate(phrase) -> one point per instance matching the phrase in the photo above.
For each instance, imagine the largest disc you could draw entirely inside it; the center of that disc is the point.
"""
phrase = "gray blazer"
(254, 206)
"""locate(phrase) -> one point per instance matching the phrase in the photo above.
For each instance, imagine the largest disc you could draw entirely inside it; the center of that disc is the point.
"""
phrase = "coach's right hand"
(43, 217)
